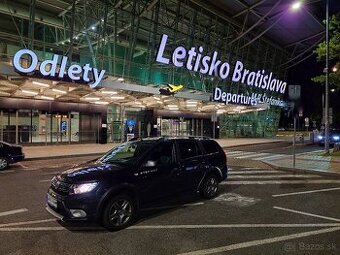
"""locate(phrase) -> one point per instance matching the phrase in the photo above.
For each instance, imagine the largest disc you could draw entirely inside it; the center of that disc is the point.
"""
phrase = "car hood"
(89, 171)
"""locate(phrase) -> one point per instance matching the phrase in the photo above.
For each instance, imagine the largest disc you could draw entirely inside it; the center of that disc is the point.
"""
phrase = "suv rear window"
(188, 149)
(210, 146)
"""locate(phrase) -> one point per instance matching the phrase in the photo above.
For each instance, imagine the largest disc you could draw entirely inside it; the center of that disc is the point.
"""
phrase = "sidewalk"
(304, 161)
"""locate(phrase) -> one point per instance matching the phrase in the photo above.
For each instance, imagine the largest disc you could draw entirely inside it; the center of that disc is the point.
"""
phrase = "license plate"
(51, 201)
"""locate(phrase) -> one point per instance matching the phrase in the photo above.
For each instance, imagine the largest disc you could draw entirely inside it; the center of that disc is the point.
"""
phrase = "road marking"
(237, 155)
(26, 222)
(6, 171)
(305, 213)
(233, 152)
(255, 155)
(48, 180)
(146, 227)
(221, 226)
(305, 192)
(13, 212)
(274, 176)
(194, 204)
(256, 172)
(29, 229)
(278, 182)
(250, 168)
(260, 242)
(275, 156)
(20, 164)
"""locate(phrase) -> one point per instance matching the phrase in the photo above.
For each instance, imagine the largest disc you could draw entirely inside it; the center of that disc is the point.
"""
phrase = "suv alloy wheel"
(118, 212)
(210, 187)
(3, 163)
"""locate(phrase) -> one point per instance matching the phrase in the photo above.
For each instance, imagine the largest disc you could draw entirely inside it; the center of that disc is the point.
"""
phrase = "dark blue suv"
(135, 175)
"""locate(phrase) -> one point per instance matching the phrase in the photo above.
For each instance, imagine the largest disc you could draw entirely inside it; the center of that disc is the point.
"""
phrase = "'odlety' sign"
(48, 68)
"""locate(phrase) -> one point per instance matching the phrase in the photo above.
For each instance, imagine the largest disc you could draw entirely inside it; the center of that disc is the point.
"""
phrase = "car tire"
(118, 213)
(209, 187)
(3, 163)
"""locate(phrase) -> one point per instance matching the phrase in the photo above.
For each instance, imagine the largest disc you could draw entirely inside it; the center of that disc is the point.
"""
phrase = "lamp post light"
(327, 82)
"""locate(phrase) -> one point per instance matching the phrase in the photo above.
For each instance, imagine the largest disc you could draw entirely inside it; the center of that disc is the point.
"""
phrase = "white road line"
(221, 226)
(20, 164)
(276, 156)
(6, 171)
(233, 152)
(146, 227)
(260, 242)
(13, 212)
(274, 176)
(29, 229)
(194, 204)
(26, 223)
(304, 213)
(278, 182)
(250, 168)
(242, 154)
(305, 192)
(256, 155)
(48, 180)
(255, 172)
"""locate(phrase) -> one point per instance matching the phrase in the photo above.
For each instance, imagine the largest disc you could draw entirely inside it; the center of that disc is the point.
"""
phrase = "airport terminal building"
(99, 71)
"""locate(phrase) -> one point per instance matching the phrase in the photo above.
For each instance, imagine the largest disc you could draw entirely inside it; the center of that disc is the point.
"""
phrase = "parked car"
(334, 137)
(10, 154)
(135, 175)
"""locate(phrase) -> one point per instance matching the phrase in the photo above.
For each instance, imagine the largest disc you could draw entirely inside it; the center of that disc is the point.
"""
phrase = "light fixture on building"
(101, 102)
(59, 91)
(118, 97)
(41, 84)
(47, 98)
(93, 27)
(29, 92)
(91, 98)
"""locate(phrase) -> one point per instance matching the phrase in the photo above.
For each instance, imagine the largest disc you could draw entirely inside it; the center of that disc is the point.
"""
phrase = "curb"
(64, 156)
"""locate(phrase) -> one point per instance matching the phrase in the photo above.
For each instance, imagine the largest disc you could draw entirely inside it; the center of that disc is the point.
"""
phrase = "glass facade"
(122, 37)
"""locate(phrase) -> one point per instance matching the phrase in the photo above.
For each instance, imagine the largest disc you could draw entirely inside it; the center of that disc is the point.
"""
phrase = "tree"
(334, 53)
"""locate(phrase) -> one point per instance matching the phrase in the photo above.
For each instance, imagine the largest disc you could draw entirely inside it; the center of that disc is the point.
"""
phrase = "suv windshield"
(127, 152)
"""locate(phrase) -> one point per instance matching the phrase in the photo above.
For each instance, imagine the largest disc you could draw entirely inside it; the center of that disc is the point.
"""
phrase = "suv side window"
(162, 154)
(188, 149)
(210, 146)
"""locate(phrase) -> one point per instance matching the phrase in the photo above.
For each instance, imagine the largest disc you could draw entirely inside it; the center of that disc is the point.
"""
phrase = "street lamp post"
(327, 85)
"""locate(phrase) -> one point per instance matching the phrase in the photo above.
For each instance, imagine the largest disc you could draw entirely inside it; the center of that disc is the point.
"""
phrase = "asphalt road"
(251, 216)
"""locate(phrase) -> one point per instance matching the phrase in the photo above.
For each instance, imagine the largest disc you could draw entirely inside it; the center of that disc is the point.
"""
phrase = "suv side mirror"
(150, 163)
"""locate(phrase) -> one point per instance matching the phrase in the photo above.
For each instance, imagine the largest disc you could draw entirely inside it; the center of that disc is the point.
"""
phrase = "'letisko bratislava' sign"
(194, 59)
(51, 69)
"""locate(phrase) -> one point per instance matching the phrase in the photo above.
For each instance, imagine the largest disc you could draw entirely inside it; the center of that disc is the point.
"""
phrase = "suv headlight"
(82, 188)
(336, 138)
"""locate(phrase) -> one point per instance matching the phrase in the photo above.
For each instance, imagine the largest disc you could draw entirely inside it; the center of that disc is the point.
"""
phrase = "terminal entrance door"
(181, 126)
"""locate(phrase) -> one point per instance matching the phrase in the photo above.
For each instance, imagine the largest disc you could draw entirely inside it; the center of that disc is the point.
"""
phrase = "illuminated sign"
(194, 60)
(232, 98)
(50, 68)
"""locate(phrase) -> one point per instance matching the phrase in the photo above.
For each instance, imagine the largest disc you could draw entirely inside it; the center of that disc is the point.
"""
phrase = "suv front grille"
(60, 186)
